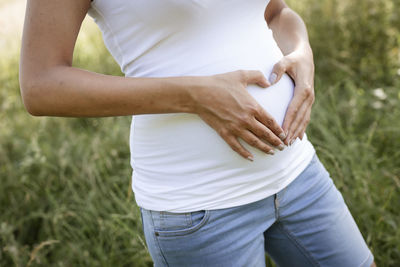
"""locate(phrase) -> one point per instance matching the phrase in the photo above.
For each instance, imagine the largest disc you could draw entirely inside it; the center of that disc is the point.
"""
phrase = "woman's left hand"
(300, 67)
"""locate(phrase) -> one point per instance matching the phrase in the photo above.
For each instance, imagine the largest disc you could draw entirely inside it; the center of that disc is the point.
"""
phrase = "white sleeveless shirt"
(179, 162)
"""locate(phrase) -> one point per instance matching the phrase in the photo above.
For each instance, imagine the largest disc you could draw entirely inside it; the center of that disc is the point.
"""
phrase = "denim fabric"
(305, 224)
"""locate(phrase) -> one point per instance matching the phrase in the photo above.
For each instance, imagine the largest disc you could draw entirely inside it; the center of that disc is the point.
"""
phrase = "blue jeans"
(305, 224)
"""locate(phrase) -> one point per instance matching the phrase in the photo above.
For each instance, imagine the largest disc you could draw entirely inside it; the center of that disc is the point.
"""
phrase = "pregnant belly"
(184, 143)
(276, 98)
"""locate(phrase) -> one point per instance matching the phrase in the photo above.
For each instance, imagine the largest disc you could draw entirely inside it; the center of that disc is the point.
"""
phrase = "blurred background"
(65, 197)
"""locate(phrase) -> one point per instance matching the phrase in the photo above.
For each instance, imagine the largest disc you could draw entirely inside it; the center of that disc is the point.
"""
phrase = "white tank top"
(180, 163)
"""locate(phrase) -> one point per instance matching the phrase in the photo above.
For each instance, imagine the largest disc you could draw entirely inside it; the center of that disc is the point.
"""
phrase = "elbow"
(32, 96)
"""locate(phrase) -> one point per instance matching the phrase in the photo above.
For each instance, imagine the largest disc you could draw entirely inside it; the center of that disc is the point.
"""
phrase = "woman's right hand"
(224, 103)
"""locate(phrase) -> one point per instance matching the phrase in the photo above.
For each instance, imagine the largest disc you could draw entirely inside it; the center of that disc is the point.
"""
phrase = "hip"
(307, 223)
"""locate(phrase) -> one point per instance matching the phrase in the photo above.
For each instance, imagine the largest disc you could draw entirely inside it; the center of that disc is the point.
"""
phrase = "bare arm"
(50, 86)
(291, 36)
(288, 28)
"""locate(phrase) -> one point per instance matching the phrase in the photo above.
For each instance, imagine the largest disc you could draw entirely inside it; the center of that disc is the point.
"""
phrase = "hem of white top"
(308, 155)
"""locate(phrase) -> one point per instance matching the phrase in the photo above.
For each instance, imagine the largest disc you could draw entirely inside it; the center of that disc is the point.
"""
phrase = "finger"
(254, 141)
(238, 147)
(296, 126)
(266, 134)
(304, 125)
(296, 135)
(277, 71)
(303, 101)
(291, 113)
(290, 116)
(255, 77)
(266, 119)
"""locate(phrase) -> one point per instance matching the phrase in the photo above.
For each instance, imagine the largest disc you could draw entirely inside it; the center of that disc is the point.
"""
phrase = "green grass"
(65, 198)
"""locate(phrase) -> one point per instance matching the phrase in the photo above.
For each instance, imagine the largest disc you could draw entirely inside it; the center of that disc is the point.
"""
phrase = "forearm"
(50, 86)
(290, 32)
(71, 92)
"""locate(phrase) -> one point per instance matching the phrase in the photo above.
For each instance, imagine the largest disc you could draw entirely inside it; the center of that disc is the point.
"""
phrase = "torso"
(180, 163)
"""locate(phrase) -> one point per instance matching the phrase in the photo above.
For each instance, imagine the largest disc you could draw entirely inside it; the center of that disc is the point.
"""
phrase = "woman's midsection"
(182, 142)
(185, 141)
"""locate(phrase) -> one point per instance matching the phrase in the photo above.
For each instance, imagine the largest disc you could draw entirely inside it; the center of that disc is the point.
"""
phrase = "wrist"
(190, 88)
(304, 49)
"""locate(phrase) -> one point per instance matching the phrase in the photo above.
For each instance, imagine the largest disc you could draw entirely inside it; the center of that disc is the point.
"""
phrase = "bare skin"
(50, 86)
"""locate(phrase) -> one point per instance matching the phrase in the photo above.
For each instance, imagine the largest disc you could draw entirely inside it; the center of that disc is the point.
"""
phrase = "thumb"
(256, 77)
(278, 70)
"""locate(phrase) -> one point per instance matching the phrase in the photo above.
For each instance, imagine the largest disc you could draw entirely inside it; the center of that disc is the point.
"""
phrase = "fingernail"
(272, 78)
(281, 147)
(282, 136)
(291, 142)
(267, 83)
(271, 152)
(250, 158)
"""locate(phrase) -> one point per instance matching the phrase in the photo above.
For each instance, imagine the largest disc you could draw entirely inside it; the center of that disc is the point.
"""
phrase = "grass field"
(65, 198)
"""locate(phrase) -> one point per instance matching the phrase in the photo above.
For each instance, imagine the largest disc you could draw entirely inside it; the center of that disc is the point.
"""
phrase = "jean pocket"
(170, 224)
